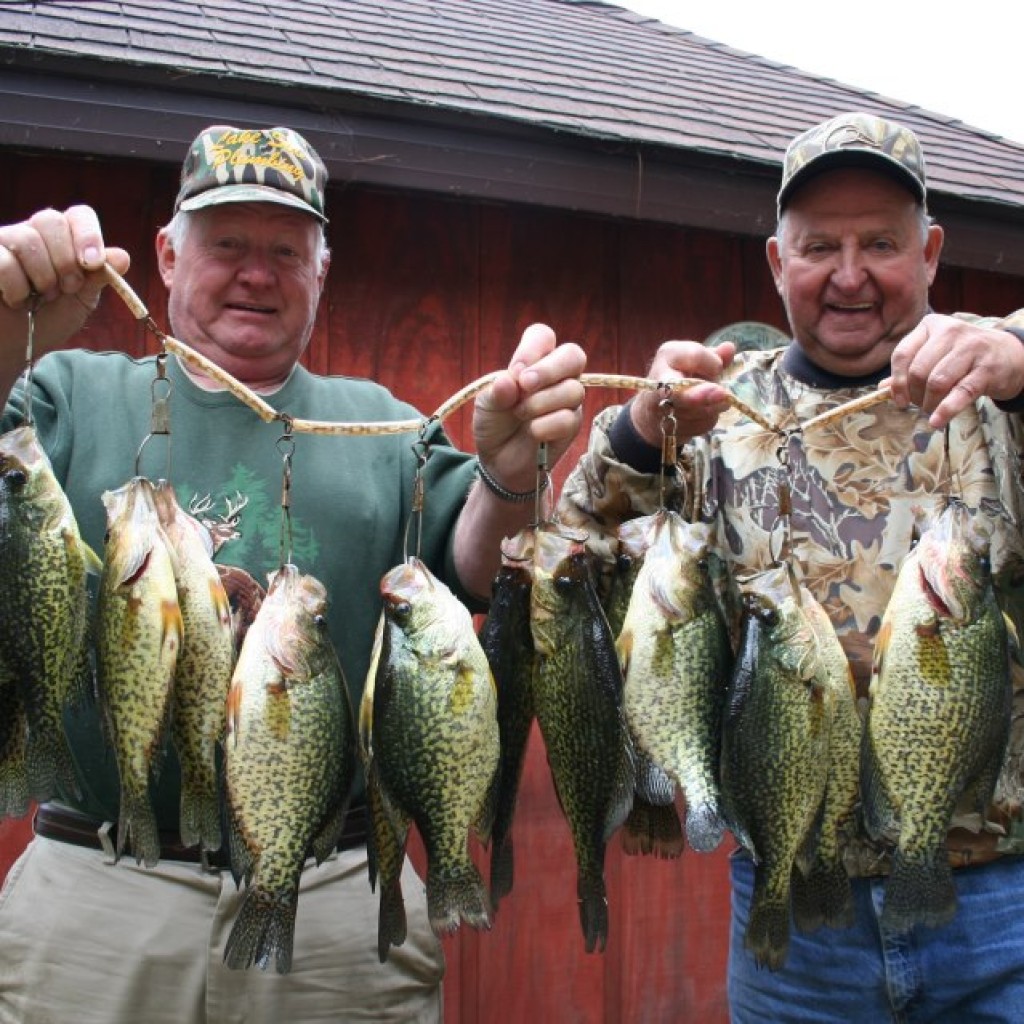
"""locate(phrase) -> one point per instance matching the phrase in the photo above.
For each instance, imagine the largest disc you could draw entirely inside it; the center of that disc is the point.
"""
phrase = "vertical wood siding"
(426, 294)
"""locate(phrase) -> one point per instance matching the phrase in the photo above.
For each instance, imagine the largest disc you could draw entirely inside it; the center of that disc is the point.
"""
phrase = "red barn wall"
(425, 294)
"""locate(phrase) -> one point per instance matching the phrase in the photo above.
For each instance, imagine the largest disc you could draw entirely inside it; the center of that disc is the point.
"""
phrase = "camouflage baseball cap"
(252, 165)
(854, 140)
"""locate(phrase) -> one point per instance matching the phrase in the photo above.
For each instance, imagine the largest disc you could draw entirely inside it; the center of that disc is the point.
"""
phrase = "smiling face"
(244, 282)
(853, 262)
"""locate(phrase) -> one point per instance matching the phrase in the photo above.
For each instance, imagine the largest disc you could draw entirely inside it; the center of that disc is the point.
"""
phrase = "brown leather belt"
(65, 825)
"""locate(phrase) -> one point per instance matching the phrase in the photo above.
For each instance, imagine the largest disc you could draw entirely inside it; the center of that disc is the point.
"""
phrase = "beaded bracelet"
(517, 497)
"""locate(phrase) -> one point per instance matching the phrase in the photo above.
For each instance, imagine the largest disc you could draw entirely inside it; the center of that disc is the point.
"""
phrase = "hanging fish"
(507, 641)
(942, 651)
(289, 764)
(821, 892)
(676, 658)
(43, 607)
(578, 701)
(774, 748)
(203, 672)
(139, 638)
(433, 731)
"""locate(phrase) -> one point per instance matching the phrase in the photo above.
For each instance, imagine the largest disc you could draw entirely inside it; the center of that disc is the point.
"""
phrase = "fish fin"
(705, 826)
(454, 895)
(767, 934)
(200, 816)
(14, 795)
(483, 824)
(263, 930)
(325, 841)
(173, 630)
(822, 896)
(136, 827)
(879, 813)
(881, 648)
(593, 903)
(392, 927)
(652, 830)
(502, 868)
(919, 890)
(624, 649)
(50, 768)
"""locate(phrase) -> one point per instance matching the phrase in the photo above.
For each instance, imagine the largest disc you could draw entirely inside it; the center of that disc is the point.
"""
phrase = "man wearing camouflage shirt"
(853, 257)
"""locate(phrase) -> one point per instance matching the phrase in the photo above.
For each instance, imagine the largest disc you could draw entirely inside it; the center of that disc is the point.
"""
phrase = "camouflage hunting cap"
(252, 165)
(854, 140)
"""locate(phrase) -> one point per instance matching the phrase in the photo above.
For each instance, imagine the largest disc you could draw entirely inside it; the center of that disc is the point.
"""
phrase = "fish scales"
(138, 641)
(202, 675)
(774, 750)
(579, 706)
(943, 649)
(43, 607)
(507, 641)
(435, 737)
(676, 657)
(289, 764)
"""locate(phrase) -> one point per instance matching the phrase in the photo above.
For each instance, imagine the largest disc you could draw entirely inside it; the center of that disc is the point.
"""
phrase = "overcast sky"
(961, 60)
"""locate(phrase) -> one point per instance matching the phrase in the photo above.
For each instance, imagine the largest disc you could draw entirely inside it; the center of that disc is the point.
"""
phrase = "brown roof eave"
(407, 146)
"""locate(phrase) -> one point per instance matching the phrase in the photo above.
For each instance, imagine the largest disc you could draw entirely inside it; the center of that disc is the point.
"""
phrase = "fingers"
(945, 364)
(52, 254)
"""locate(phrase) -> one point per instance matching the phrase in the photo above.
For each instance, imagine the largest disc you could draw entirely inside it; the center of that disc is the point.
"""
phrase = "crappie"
(434, 733)
(139, 637)
(203, 672)
(507, 641)
(774, 749)
(578, 702)
(43, 607)
(939, 713)
(676, 657)
(821, 887)
(14, 795)
(385, 846)
(289, 762)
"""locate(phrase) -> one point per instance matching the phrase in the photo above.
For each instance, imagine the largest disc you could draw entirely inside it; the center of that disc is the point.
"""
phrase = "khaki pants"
(82, 940)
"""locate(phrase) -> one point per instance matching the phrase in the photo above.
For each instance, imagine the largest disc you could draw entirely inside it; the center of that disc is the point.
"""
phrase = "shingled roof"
(652, 110)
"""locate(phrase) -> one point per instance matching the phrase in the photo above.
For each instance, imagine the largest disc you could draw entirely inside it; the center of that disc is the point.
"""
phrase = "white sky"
(963, 59)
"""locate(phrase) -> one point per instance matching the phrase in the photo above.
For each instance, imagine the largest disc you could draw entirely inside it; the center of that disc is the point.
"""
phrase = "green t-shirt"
(350, 496)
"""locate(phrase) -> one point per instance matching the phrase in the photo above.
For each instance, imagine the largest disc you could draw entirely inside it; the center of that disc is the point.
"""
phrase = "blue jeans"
(968, 972)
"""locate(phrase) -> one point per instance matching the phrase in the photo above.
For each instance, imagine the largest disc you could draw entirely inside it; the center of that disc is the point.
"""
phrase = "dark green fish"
(43, 607)
(507, 640)
(774, 749)
(290, 760)
(434, 738)
(943, 651)
(578, 702)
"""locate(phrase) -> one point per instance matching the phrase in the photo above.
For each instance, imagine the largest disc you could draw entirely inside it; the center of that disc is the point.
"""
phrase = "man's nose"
(850, 268)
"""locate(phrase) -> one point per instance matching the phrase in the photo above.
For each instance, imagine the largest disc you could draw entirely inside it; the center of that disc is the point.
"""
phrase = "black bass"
(942, 652)
(507, 640)
(774, 749)
(434, 737)
(290, 759)
(43, 607)
(139, 637)
(203, 673)
(676, 658)
(578, 701)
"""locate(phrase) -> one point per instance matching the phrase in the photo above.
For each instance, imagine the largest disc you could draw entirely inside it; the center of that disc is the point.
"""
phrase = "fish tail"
(593, 903)
(263, 930)
(822, 897)
(704, 826)
(455, 895)
(136, 826)
(767, 935)
(200, 818)
(502, 869)
(652, 830)
(391, 922)
(50, 768)
(919, 891)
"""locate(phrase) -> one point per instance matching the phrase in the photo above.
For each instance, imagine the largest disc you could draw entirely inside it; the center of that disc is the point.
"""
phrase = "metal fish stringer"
(30, 362)
(286, 446)
(784, 526)
(160, 414)
(543, 503)
(669, 447)
(421, 449)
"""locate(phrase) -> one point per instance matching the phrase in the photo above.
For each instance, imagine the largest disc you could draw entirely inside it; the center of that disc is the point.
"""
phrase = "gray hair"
(177, 229)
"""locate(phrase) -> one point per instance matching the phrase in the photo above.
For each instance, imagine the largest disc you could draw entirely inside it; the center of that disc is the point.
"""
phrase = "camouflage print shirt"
(854, 488)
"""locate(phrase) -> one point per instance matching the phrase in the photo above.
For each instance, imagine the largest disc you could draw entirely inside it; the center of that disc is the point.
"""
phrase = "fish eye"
(401, 611)
(15, 478)
(563, 583)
